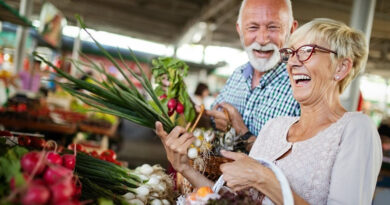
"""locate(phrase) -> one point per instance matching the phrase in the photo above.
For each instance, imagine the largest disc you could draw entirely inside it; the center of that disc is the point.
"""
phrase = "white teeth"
(301, 77)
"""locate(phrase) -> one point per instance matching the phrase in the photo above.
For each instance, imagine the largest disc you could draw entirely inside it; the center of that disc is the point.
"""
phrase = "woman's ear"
(343, 68)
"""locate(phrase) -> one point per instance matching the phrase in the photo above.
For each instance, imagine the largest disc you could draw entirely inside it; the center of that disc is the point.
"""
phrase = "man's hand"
(176, 144)
(235, 118)
(221, 120)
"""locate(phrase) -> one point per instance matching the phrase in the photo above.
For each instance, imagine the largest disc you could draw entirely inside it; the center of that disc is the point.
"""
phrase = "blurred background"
(200, 32)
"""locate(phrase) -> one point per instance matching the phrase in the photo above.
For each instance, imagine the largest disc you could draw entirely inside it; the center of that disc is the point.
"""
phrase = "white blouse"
(339, 165)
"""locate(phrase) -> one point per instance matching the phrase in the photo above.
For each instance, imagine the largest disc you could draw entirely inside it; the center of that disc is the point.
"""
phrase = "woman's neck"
(316, 117)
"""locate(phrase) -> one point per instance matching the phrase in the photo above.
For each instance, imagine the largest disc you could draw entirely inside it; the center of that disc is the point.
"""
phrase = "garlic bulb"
(209, 135)
(197, 143)
(192, 153)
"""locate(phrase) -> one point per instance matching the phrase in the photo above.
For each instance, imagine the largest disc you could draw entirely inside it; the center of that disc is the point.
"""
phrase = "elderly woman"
(329, 155)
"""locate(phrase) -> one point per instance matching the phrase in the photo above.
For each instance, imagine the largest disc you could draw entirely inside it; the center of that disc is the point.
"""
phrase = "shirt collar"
(247, 70)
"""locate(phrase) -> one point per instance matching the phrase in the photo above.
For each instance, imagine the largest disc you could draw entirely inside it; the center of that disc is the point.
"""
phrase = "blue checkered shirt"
(271, 98)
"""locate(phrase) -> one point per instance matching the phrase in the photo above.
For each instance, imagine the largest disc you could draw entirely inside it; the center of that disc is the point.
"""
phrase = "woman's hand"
(235, 118)
(243, 172)
(176, 144)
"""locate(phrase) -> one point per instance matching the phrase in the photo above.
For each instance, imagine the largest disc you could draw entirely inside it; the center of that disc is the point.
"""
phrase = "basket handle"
(286, 190)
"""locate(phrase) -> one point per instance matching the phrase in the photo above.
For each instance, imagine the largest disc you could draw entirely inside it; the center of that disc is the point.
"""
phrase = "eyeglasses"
(303, 53)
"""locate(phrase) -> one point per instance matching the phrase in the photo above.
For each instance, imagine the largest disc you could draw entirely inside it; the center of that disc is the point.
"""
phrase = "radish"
(172, 103)
(30, 160)
(179, 108)
(36, 194)
(62, 191)
(69, 161)
(163, 96)
(54, 158)
(56, 174)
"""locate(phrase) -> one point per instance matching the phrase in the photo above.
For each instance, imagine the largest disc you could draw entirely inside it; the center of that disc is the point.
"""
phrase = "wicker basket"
(212, 164)
(211, 171)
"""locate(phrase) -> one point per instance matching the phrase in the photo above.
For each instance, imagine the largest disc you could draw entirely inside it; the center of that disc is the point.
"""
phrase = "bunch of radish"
(49, 179)
(175, 105)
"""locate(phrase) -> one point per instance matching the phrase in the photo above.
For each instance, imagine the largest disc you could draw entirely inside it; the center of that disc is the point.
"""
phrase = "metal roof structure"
(174, 22)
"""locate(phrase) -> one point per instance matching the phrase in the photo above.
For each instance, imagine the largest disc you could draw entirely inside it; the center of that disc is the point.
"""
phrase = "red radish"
(179, 108)
(69, 161)
(56, 174)
(36, 194)
(163, 96)
(62, 191)
(54, 158)
(30, 160)
(170, 112)
(172, 103)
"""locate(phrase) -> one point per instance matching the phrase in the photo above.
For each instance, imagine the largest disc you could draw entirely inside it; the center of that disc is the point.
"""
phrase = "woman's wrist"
(269, 185)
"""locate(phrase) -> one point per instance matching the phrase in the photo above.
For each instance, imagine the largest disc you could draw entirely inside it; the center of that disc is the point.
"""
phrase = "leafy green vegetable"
(174, 71)
(10, 167)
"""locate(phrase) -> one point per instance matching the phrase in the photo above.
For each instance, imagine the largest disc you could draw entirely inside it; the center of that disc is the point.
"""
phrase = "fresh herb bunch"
(112, 96)
(174, 96)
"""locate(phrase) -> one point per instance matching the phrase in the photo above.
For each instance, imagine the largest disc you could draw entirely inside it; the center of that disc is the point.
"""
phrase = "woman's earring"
(336, 77)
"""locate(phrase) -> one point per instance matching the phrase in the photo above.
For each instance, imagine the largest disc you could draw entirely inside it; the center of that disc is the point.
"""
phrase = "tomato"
(94, 154)
(78, 147)
(38, 142)
(110, 154)
(24, 141)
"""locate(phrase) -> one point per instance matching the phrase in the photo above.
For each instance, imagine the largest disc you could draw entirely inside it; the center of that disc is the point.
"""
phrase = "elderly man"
(260, 90)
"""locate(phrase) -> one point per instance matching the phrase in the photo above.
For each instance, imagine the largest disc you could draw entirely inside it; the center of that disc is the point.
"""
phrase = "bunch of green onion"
(112, 96)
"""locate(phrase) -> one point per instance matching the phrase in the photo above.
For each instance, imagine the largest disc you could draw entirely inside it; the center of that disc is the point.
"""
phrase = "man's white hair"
(289, 7)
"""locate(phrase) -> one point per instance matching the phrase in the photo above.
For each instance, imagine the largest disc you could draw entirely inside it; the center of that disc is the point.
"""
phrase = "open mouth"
(263, 53)
(301, 79)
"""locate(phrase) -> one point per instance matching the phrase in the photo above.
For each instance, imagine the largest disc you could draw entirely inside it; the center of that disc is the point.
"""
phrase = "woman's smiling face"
(312, 79)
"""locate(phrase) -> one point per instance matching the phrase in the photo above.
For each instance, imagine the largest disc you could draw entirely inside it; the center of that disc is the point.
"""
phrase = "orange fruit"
(204, 191)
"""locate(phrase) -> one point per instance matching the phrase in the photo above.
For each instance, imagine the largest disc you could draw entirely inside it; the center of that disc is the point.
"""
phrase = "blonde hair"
(347, 42)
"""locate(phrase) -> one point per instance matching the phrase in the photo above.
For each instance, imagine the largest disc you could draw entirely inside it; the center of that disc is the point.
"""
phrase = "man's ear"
(343, 68)
(238, 29)
(294, 26)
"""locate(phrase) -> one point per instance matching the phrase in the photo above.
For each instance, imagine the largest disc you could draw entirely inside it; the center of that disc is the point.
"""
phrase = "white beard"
(263, 64)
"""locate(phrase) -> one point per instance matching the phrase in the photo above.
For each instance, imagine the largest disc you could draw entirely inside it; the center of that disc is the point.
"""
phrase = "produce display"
(37, 177)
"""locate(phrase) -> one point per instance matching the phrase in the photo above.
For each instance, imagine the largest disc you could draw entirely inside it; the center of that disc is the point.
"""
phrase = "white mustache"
(268, 47)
